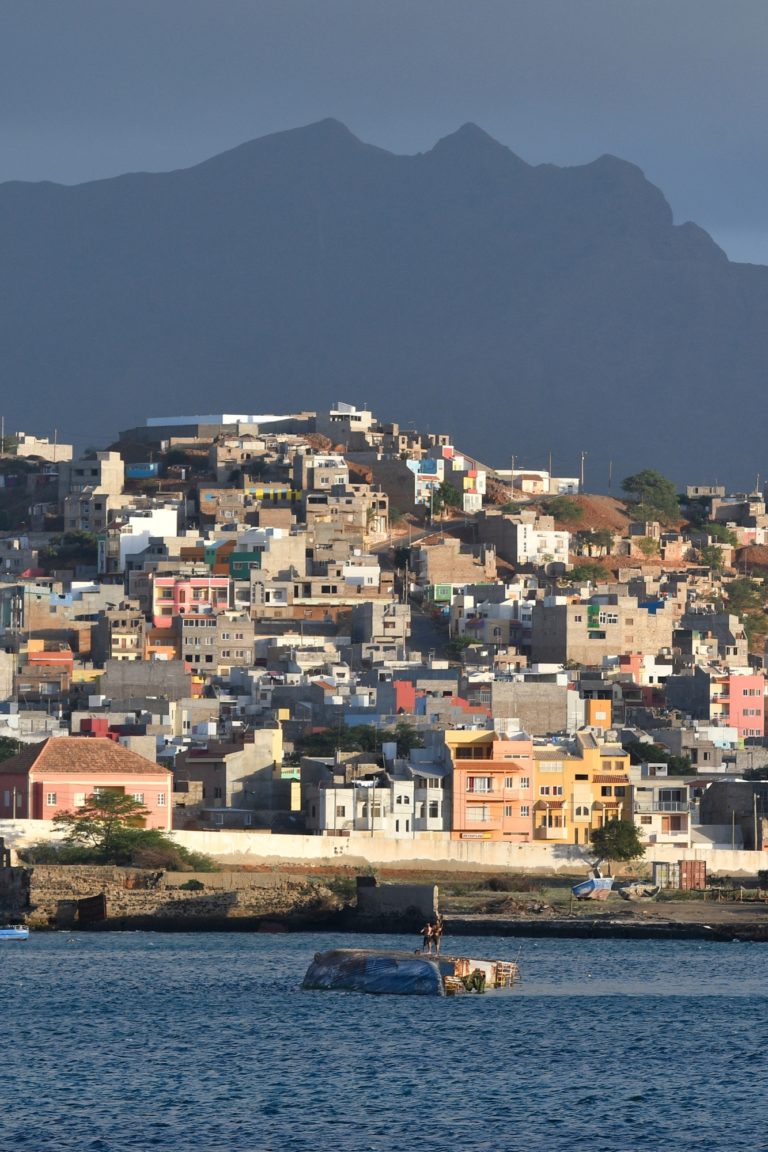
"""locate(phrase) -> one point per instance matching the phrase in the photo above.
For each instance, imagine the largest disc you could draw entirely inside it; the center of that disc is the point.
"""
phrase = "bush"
(146, 848)
(502, 884)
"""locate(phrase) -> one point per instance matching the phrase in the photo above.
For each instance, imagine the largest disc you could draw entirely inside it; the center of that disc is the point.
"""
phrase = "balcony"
(650, 806)
(544, 832)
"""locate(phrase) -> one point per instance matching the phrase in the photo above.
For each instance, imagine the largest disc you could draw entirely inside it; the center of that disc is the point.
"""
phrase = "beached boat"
(638, 890)
(596, 888)
(13, 932)
(396, 973)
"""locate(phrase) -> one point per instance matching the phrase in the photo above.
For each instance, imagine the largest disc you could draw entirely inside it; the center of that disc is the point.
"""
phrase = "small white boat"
(14, 932)
(638, 890)
(596, 888)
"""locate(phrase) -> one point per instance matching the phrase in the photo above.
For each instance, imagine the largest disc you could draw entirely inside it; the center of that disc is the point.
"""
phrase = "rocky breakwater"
(58, 896)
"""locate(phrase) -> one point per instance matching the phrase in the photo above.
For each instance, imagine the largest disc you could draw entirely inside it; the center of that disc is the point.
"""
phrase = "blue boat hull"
(378, 973)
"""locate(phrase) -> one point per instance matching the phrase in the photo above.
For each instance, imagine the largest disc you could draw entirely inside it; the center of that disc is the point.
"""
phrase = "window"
(582, 810)
(646, 820)
(7, 798)
(434, 809)
(509, 781)
(507, 809)
(582, 776)
(606, 790)
(620, 790)
(138, 797)
(525, 810)
(479, 784)
(50, 799)
(341, 809)
(218, 793)
(477, 813)
(161, 799)
(525, 781)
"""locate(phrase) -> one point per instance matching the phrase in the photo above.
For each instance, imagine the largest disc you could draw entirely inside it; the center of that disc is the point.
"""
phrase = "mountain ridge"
(460, 284)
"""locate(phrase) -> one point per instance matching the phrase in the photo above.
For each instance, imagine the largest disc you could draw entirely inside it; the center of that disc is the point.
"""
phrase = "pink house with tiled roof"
(59, 774)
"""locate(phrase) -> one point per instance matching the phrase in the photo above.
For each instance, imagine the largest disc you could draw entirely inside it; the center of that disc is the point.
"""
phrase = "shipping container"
(666, 875)
(693, 875)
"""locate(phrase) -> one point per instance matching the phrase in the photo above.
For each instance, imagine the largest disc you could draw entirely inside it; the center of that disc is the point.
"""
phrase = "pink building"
(179, 595)
(742, 700)
(60, 774)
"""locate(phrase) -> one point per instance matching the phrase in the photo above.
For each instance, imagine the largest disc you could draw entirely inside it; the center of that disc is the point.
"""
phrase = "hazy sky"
(92, 88)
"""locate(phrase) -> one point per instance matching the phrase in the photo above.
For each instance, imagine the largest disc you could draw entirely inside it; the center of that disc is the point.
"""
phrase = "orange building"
(492, 785)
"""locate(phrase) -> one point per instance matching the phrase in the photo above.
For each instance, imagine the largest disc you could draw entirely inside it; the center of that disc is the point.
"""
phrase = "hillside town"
(321, 625)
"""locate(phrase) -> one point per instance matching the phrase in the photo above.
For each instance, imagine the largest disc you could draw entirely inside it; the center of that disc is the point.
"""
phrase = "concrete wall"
(382, 900)
(541, 708)
(428, 850)
(131, 893)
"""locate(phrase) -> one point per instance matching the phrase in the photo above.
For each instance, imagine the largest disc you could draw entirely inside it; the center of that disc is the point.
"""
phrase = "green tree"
(643, 752)
(581, 573)
(712, 557)
(8, 747)
(720, 533)
(361, 738)
(564, 509)
(653, 496)
(109, 829)
(744, 595)
(597, 540)
(102, 822)
(446, 495)
(648, 546)
(617, 840)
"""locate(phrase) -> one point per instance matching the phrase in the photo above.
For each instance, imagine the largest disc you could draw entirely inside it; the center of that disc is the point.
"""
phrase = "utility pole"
(584, 455)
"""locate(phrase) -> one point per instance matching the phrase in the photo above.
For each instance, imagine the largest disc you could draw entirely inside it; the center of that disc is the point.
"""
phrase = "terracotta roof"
(86, 755)
(550, 803)
(602, 778)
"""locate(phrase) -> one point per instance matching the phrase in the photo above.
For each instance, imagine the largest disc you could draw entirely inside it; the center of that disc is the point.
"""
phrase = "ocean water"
(132, 1042)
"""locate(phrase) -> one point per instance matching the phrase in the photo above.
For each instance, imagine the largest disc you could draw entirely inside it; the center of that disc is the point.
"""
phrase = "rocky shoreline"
(122, 899)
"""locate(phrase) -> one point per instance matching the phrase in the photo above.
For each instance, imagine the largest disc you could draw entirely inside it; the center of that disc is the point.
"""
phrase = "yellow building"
(579, 786)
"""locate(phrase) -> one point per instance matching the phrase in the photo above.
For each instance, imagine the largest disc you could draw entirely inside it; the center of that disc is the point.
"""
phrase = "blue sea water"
(139, 1041)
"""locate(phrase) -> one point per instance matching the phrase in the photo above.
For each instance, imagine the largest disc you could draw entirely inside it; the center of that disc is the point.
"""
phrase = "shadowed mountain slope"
(520, 308)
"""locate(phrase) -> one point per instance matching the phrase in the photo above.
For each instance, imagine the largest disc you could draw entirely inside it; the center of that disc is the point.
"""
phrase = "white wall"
(429, 850)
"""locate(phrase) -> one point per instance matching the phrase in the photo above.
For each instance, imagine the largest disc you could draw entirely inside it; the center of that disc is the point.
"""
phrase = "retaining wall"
(435, 854)
(49, 896)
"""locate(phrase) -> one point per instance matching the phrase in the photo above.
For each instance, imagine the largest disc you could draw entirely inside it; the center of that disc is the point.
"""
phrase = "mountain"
(522, 309)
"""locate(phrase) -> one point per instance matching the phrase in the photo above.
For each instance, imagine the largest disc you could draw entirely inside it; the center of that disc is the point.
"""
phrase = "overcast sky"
(93, 88)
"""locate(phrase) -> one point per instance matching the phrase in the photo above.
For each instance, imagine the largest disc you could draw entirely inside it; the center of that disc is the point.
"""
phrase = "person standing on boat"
(428, 933)
(437, 932)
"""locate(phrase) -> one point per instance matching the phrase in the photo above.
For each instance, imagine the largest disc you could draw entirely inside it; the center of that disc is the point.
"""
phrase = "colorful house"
(578, 787)
(492, 776)
(177, 595)
(60, 774)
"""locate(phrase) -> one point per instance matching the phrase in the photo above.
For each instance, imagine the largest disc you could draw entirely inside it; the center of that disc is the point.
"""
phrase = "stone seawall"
(51, 895)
